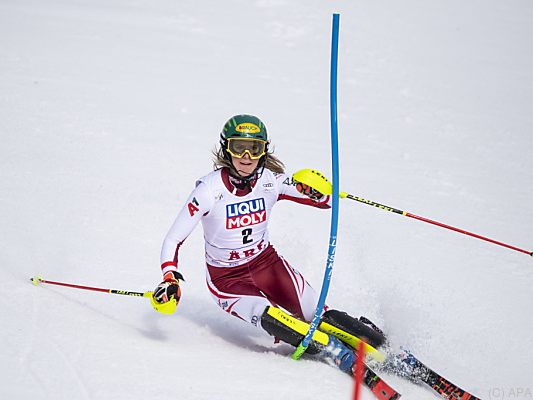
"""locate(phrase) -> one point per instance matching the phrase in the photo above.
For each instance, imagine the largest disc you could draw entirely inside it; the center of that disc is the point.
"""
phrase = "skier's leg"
(284, 285)
(235, 295)
(233, 292)
(291, 330)
(363, 328)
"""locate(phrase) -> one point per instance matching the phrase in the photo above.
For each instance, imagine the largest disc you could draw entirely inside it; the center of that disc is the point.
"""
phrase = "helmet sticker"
(247, 127)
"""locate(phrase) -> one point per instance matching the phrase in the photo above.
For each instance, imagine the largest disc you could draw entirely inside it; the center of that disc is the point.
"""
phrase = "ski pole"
(38, 279)
(165, 308)
(319, 182)
(430, 221)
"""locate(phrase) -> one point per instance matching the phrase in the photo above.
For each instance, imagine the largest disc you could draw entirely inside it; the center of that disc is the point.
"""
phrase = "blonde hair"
(272, 162)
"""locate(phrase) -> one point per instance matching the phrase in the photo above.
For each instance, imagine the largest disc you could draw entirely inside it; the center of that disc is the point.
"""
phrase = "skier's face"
(245, 165)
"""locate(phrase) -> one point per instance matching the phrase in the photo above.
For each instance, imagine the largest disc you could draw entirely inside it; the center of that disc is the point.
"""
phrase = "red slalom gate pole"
(359, 370)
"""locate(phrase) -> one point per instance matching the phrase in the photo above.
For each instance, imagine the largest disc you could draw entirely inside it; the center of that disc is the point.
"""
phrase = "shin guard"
(291, 330)
(338, 323)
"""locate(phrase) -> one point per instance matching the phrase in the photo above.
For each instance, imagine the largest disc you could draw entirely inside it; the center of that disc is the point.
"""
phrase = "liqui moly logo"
(247, 213)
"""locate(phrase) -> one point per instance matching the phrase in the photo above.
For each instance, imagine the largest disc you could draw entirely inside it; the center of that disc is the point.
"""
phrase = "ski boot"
(340, 354)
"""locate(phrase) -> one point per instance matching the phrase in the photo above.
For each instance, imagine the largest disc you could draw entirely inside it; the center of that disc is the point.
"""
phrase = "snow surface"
(109, 111)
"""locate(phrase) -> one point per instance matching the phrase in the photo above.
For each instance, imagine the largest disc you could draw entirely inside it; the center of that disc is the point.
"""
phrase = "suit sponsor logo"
(238, 255)
(289, 182)
(193, 207)
(268, 187)
(245, 213)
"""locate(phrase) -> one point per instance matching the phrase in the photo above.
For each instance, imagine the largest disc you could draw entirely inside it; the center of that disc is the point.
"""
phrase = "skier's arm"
(289, 189)
(198, 204)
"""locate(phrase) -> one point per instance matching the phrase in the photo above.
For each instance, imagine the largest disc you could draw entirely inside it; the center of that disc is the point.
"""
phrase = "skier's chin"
(245, 170)
(244, 174)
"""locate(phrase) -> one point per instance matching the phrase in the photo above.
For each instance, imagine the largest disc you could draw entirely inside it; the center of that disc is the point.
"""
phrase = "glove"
(168, 289)
(308, 191)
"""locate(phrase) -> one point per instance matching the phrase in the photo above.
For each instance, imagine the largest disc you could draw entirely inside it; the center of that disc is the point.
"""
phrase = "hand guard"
(169, 289)
(307, 190)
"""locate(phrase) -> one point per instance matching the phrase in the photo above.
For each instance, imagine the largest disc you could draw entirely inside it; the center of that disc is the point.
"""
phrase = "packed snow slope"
(109, 110)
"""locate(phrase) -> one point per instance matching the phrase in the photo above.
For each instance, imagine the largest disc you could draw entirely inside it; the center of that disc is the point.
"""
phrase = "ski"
(378, 386)
(403, 364)
(381, 389)
(408, 366)
(276, 321)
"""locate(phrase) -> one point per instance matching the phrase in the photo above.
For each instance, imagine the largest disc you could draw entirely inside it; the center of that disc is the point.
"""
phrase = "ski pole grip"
(317, 181)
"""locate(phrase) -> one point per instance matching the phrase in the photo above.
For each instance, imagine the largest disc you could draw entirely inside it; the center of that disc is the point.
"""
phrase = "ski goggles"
(238, 147)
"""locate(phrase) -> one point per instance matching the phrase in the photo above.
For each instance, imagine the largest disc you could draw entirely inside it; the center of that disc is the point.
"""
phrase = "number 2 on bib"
(246, 236)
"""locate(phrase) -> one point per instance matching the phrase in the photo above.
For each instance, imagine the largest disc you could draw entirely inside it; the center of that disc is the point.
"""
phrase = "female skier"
(247, 278)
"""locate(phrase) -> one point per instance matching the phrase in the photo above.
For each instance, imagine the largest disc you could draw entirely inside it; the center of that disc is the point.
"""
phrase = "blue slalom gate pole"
(335, 195)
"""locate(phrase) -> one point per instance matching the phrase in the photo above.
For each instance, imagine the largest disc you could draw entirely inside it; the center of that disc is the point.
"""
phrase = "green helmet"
(244, 126)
